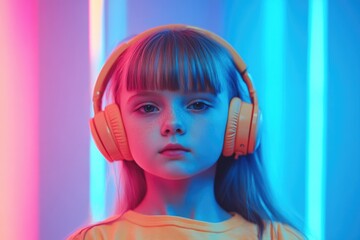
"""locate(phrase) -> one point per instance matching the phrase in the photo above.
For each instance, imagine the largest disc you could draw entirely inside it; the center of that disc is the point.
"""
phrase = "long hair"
(187, 61)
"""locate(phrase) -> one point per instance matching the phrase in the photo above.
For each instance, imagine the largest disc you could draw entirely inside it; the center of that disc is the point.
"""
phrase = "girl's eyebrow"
(142, 94)
(155, 94)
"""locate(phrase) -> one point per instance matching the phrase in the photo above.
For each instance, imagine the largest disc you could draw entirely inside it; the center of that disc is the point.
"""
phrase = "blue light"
(97, 184)
(316, 167)
(107, 27)
(97, 163)
(274, 57)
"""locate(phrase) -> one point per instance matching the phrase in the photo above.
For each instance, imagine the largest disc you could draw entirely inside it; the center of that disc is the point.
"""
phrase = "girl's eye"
(198, 106)
(148, 108)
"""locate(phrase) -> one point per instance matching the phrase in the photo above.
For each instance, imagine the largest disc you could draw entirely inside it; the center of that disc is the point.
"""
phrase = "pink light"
(19, 119)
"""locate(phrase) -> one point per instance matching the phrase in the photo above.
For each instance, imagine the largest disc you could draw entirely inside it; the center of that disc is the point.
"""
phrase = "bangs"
(177, 60)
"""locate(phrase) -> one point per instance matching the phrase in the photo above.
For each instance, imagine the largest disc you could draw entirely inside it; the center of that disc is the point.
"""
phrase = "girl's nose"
(173, 124)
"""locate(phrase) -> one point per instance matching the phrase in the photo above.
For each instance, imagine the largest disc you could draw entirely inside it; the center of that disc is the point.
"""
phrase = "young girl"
(185, 125)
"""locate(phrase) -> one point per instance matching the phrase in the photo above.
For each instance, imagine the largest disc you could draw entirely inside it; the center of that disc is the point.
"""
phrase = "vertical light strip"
(116, 15)
(19, 128)
(97, 163)
(316, 168)
(274, 41)
(116, 29)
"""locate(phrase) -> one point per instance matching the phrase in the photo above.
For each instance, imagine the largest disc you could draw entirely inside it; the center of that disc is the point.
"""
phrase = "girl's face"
(156, 119)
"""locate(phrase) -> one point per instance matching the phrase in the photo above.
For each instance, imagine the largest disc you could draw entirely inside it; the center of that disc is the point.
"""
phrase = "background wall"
(47, 173)
(63, 119)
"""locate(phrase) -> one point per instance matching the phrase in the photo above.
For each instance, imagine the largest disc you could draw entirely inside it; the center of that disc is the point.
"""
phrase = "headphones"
(107, 126)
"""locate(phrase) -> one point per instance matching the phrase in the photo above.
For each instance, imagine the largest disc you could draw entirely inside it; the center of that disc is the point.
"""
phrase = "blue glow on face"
(316, 118)
(155, 119)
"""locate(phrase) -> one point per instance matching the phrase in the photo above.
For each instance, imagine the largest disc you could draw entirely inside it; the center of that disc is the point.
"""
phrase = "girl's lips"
(174, 153)
(174, 147)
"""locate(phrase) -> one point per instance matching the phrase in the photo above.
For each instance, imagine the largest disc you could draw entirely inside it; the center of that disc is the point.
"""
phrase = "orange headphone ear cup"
(103, 137)
(238, 138)
(98, 141)
(109, 134)
(231, 126)
(116, 126)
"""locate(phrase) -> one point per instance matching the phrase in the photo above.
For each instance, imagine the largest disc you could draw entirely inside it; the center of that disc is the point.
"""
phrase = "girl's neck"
(190, 198)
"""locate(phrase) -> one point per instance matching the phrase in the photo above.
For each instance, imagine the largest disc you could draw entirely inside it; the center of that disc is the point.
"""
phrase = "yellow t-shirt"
(132, 225)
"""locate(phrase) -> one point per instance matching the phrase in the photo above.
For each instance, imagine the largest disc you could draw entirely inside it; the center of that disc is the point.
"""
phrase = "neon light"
(316, 167)
(116, 21)
(97, 163)
(112, 18)
(19, 128)
(116, 28)
(274, 38)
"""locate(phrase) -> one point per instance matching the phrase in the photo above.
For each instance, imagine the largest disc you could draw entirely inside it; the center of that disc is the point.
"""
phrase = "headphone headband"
(107, 125)
(107, 69)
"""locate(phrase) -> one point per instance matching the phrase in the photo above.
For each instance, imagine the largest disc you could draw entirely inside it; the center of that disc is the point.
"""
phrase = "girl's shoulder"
(94, 231)
(273, 230)
(280, 231)
(131, 224)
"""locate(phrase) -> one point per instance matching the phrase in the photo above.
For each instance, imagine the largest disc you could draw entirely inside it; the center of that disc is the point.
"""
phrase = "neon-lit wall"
(45, 57)
(63, 118)
(342, 208)
(19, 145)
